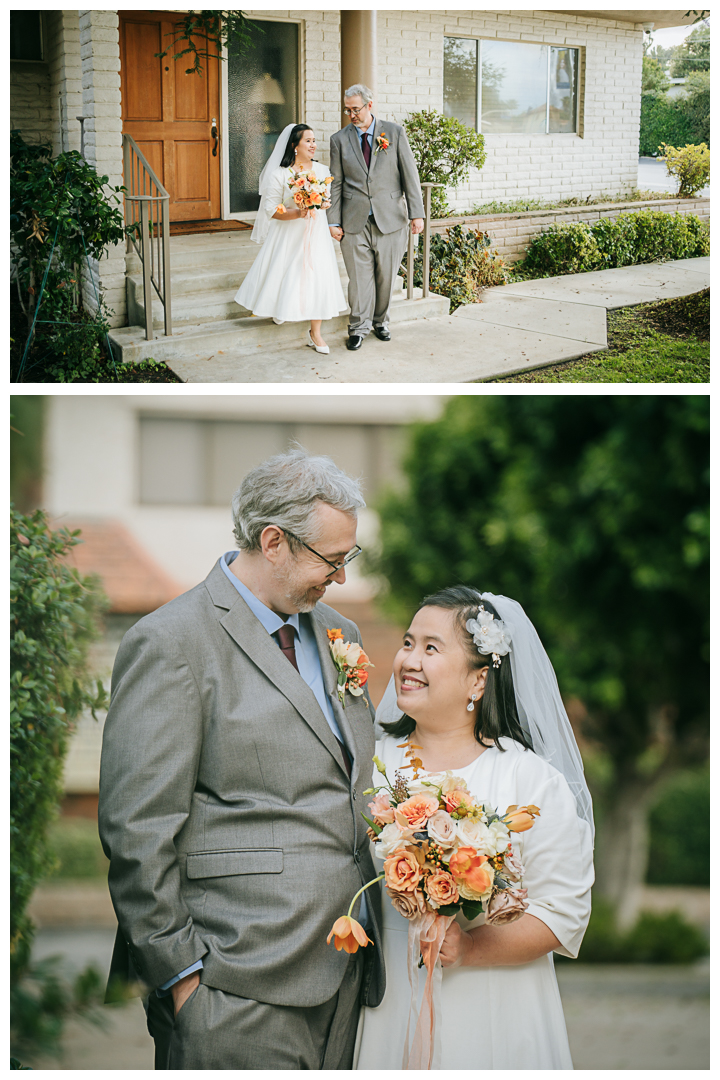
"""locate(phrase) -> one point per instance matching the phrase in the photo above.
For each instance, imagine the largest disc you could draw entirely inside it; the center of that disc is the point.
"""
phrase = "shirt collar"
(269, 619)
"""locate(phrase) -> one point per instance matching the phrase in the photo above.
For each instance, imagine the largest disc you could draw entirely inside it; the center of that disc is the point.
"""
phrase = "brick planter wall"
(512, 233)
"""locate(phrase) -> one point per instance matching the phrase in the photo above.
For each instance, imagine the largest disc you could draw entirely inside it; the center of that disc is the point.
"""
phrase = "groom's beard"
(299, 595)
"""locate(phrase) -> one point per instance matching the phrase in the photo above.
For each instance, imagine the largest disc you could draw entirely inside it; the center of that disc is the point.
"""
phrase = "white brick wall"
(602, 158)
(30, 110)
(100, 63)
(63, 56)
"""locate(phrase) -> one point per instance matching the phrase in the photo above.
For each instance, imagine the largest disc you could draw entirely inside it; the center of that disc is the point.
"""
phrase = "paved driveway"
(618, 1017)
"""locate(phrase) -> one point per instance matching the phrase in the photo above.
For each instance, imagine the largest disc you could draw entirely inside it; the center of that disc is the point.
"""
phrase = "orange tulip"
(521, 818)
(349, 935)
(468, 867)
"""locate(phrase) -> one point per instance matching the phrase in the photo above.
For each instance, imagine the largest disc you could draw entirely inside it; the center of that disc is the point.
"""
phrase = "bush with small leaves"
(690, 165)
(462, 263)
(445, 150)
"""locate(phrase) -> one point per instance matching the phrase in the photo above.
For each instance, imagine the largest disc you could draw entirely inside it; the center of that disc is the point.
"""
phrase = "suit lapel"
(320, 626)
(373, 147)
(250, 636)
(355, 143)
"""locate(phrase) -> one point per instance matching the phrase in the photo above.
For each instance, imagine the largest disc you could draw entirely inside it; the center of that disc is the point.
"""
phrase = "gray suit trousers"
(217, 1030)
(372, 260)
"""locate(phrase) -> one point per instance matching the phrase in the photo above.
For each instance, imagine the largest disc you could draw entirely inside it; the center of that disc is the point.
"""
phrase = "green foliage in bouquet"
(445, 150)
(462, 263)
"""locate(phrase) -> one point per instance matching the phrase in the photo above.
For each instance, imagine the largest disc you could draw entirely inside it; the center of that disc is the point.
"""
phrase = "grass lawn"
(667, 341)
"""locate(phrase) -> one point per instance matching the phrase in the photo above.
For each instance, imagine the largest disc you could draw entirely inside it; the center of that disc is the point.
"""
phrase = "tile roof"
(134, 582)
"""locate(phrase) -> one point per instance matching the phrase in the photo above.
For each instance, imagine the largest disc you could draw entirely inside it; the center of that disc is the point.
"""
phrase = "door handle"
(214, 135)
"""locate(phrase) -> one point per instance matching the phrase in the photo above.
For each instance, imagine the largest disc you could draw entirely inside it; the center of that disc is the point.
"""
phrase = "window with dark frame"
(508, 87)
(26, 35)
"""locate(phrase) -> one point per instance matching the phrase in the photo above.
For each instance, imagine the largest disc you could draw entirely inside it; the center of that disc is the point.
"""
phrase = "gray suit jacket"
(233, 831)
(392, 182)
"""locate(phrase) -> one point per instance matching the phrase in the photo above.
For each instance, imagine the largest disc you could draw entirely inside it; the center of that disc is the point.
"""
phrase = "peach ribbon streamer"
(425, 936)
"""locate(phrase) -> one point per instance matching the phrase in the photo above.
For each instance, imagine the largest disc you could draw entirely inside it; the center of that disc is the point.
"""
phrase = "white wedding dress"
(295, 276)
(501, 1017)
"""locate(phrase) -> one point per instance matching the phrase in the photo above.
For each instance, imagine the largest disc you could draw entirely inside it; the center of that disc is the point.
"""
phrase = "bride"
(499, 723)
(295, 276)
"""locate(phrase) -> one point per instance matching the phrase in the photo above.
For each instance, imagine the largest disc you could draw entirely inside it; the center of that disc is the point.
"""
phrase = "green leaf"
(377, 828)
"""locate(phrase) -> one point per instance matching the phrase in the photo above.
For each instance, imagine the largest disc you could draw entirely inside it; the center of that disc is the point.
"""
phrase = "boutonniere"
(351, 663)
(382, 142)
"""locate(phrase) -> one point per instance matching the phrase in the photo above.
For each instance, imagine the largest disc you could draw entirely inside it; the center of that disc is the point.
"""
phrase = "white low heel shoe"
(324, 349)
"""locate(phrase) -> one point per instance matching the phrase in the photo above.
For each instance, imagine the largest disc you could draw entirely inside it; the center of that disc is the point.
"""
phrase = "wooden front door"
(170, 114)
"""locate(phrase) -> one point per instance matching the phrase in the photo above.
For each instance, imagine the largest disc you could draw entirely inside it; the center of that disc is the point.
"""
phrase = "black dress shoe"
(381, 332)
(354, 342)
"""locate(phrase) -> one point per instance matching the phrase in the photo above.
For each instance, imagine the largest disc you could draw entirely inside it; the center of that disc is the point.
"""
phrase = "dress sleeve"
(557, 856)
(275, 193)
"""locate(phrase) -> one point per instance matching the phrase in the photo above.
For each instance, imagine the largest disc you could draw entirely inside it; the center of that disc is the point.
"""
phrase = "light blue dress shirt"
(308, 661)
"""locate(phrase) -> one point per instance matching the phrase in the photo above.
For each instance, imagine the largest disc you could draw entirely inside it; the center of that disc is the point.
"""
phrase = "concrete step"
(129, 344)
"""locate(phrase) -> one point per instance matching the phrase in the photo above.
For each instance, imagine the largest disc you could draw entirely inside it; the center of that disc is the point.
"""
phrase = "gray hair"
(362, 90)
(285, 491)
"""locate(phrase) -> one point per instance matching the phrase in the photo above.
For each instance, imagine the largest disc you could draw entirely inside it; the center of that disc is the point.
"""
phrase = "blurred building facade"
(148, 480)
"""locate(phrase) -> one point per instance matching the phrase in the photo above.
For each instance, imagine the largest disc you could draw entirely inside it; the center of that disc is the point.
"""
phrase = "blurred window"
(507, 87)
(26, 35)
(197, 462)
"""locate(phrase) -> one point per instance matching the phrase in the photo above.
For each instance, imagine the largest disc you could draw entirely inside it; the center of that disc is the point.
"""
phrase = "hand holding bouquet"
(310, 193)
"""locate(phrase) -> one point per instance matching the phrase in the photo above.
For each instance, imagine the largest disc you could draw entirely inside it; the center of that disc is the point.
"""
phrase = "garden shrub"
(661, 120)
(640, 237)
(53, 617)
(75, 846)
(462, 263)
(678, 855)
(62, 202)
(690, 165)
(444, 150)
(656, 938)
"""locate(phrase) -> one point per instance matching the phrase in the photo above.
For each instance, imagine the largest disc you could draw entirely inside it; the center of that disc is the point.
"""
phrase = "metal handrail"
(427, 192)
(150, 230)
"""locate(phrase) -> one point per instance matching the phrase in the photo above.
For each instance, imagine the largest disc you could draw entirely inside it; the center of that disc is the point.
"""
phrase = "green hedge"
(680, 855)
(640, 237)
(656, 938)
(678, 121)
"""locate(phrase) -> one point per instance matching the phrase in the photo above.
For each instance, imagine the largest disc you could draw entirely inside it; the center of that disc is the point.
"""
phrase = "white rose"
(475, 834)
(442, 829)
(389, 840)
(500, 837)
(420, 786)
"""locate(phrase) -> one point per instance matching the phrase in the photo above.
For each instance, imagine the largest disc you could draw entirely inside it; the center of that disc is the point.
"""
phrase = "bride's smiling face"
(307, 146)
(432, 675)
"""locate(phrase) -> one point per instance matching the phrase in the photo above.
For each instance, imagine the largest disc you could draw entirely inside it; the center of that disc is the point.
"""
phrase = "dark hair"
(295, 136)
(496, 713)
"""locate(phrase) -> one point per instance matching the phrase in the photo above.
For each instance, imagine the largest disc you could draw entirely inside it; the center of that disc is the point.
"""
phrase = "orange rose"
(520, 818)
(349, 935)
(417, 809)
(457, 800)
(402, 871)
(441, 889)
(297, 197)
(470, 869)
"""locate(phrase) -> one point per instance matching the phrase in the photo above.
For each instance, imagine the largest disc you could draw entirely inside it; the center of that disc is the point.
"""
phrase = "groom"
(231, 794)
(375, 186)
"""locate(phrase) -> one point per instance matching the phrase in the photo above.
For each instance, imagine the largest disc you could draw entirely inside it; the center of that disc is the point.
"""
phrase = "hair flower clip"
(490, 635)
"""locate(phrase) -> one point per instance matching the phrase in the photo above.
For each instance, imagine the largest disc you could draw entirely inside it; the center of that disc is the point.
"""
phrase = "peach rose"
(458, 800)
(505, 907)
(402, 871)
(441, 889)
(408, 904)
(416, 810)
(381, 810)
(471, 871)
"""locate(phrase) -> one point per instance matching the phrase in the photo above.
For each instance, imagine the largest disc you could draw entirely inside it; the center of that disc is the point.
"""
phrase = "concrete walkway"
(516, 328)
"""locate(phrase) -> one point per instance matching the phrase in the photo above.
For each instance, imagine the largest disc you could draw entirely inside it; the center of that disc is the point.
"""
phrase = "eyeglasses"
(354, 112)
(353, 554)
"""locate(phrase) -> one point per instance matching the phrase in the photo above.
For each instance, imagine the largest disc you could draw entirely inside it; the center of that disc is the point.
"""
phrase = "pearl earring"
(471, 706)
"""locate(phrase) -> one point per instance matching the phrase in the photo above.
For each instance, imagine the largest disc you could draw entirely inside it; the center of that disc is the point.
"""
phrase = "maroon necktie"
(366, 148)
(286, 637)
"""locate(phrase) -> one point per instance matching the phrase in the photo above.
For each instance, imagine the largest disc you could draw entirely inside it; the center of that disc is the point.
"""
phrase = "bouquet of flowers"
(351, 663)
(444, 851)
(309, 192)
